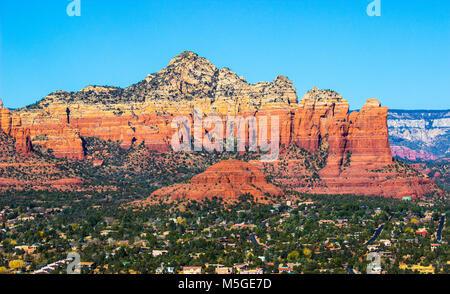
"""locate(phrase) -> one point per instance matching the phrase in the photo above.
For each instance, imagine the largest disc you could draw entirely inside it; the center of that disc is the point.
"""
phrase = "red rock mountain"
(358, 158)
(227, 179)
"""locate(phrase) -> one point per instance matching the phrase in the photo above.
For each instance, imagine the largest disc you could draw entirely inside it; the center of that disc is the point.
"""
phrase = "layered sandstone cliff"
(323, 117)
(30, 171)
(142, 113)
(13, 127)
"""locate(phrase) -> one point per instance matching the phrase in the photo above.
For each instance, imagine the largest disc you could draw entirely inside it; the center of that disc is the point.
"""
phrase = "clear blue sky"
(401, 57)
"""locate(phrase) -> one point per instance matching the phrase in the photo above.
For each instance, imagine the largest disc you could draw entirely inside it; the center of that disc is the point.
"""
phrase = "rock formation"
(142, 114)
(14, 128)
(227, 179)
(31, 171)
(323, 116)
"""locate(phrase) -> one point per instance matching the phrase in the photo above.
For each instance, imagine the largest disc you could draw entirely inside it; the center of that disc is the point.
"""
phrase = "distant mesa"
(422, 135)
(414, 155)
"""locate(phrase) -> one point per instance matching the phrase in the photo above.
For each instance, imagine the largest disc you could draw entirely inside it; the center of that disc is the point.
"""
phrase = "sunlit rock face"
(142, 113)
(14, 128)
